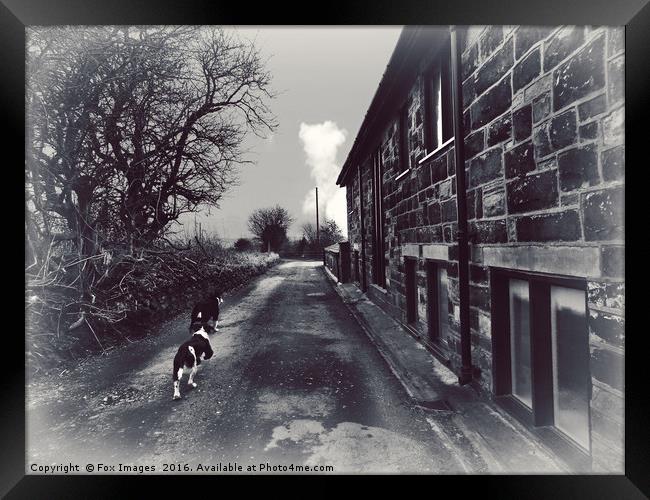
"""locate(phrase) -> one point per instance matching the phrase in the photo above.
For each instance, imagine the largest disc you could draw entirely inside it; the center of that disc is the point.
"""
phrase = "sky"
(325, 78)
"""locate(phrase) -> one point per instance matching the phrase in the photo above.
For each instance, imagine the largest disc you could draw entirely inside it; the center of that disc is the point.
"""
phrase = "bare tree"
(130, 127)
(309, 233)
(330, 233)
(270, 225)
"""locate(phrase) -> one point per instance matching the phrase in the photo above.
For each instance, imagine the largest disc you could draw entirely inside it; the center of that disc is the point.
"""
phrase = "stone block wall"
(545, 167)
(544, 164)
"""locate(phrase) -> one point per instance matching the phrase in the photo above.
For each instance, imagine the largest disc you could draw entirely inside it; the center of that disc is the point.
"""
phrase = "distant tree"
(243, 244)
(270, 225)
(330, 233)
(301, 244)
(309, 233)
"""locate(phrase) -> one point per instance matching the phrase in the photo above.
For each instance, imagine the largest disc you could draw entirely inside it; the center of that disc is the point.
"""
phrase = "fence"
(337, 260)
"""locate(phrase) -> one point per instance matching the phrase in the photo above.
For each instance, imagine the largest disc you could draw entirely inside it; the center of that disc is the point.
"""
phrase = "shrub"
(243, 245)
(136, 294)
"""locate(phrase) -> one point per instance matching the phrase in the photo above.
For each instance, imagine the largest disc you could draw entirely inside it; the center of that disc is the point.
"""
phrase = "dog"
(190, 354)
(207, 312)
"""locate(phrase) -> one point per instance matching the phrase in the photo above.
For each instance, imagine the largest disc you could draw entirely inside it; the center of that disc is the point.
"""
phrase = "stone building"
(541, 114)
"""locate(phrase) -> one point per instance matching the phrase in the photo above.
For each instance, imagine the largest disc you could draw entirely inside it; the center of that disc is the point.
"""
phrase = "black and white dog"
(207, 312)
(191, 353)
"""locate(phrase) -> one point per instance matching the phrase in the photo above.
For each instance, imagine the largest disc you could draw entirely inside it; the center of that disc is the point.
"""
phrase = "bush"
(136, 294)
(243, 245)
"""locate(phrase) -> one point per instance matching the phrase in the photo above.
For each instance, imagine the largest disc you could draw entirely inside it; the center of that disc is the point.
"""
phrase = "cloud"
(321, 143)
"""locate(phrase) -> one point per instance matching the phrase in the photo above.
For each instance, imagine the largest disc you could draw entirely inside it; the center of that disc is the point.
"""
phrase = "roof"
(415, 44)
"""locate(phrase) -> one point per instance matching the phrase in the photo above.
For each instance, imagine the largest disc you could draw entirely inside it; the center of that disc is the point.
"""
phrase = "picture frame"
(16, 15)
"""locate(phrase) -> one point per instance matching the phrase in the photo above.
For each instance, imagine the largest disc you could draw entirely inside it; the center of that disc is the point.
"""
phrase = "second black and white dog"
(207, 311)
(191, 353)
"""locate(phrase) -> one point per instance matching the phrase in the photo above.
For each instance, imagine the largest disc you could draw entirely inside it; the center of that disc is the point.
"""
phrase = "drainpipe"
(461, 200)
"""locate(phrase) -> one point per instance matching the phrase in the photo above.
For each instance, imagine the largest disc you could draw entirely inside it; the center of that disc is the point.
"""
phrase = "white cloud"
(321, 142)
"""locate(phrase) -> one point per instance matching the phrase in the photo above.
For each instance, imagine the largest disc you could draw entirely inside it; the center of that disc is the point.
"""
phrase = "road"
(294, 380)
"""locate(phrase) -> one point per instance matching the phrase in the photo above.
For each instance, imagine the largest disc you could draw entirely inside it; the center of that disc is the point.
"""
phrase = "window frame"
(404, 156)
(438, 110)
(540, 418)
(432, 269)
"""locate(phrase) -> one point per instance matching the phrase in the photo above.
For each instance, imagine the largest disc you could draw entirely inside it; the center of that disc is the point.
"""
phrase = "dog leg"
(216, 326)
(192, 373)
(177, 392)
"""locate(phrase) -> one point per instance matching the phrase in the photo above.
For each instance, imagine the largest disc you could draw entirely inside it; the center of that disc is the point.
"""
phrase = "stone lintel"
(410, 250)
(569, 261)
(438, 252)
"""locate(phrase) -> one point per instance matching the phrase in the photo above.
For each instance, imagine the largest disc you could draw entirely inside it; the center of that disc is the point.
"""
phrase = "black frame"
(636, 17)
(541, 416)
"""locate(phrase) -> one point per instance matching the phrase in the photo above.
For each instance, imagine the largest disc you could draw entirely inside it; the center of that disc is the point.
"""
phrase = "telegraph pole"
(317, 229)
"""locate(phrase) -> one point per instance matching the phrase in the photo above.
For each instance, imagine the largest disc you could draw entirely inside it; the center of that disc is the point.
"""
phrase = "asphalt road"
(294, 381)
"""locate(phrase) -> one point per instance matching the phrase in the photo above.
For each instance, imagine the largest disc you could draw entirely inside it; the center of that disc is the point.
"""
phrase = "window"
(411, 290)
(570, 363)
(520, 365)
(437, 300)
(438, 114)
(541, 351)
(403, 138)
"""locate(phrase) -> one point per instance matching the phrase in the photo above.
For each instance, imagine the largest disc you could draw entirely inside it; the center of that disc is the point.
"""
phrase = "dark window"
(411, 290)
(541, 349)
(403, 153)
(437, 300)
(438, 112)
(379, 247)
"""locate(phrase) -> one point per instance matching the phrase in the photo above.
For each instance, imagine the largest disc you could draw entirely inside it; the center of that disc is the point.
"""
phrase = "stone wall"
(544, 165)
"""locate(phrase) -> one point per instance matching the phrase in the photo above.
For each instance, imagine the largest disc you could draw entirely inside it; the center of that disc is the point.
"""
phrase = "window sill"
(570, 453)
(432, 153)
(403, 174)
(433, 349)
(376, 287)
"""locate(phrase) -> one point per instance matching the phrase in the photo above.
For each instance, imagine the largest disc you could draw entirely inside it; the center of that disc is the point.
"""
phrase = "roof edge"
(411, 38)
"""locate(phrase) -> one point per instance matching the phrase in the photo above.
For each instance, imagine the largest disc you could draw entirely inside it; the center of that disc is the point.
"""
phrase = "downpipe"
(461, 201)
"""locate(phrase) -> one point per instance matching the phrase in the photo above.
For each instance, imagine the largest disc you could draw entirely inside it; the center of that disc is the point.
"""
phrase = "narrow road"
(294, 380)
